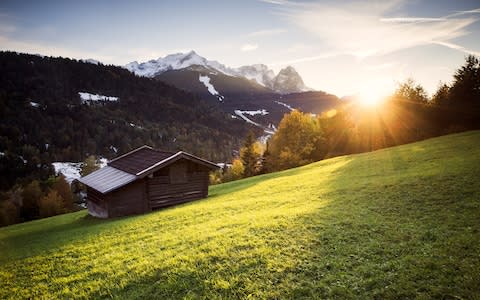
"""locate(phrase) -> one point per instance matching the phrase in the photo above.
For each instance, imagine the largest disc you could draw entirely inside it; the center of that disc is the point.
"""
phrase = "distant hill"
(395, 223)
(59, 109)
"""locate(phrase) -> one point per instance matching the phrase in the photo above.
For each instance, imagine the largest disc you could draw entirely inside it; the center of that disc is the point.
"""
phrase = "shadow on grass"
(387, 237)
(48, 234)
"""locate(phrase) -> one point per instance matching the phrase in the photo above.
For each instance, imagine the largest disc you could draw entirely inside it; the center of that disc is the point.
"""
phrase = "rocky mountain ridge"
(286, 81)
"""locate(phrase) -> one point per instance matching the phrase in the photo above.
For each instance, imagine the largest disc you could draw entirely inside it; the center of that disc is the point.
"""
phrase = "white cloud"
(266, 32)
(249, 47)
(9, 44)
(458, 47)
(362, 30)
(465, 12)
(411, 20)
(303, 59)
(380, 66)
(277, 2)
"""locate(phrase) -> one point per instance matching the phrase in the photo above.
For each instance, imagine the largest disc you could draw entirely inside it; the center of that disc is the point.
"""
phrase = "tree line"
(408, 115)
(43, 120)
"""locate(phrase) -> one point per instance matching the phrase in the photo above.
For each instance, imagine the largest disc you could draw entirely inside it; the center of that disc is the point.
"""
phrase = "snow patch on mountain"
(113, 148)
(101, 162)
(285, 105)
(262, 112)
(34, 104)
(211, 89)
(69, 170)
(90, 98)
(240, 113)
(73, 170)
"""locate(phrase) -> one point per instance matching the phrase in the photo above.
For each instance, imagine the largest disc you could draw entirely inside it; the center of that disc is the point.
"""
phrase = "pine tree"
(249, 155)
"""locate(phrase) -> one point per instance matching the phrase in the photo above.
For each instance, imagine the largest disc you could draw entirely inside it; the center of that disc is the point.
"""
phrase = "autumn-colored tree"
(235, 172)
(31, 194)
(338, 130)
(51, 204)
(8, 213)
(63, 189)
(250, 155)
(298, 141)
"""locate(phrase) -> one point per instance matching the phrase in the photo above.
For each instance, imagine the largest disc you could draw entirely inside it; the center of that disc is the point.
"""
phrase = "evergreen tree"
(250, 156)
(466, 85)
(411, 91)
(442, 95)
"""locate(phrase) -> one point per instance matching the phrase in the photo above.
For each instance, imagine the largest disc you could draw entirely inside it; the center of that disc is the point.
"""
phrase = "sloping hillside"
(58, 109)
(396, 223)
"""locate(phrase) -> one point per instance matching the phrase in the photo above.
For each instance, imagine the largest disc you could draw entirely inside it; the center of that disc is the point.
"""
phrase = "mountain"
(60, 109)
(175, 62)
(237, 91)
(287, 81)
(260, 73)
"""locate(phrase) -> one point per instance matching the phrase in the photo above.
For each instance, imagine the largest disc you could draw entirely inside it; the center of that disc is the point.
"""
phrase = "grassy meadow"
(402, 222)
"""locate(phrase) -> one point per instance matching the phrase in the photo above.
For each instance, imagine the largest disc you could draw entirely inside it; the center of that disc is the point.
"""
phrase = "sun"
(371, 98)
(373, 95)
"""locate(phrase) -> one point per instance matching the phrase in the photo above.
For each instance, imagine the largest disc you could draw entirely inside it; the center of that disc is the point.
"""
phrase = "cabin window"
(178, 173)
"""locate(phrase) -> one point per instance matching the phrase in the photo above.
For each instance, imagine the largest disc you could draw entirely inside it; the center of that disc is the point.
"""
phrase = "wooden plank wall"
(128, 200)
(96, 204)
(162, 193)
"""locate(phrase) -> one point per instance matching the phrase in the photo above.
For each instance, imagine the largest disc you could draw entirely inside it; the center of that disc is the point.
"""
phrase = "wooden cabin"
(145, 179)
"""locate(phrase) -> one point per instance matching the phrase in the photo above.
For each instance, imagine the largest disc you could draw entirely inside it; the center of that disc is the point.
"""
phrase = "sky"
(341, 47)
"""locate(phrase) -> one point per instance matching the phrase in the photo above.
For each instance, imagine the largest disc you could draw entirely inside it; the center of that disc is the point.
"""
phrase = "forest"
(408, 115)
(43, 119)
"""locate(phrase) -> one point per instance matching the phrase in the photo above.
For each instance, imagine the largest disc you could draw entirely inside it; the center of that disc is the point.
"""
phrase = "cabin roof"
(107, 179)
(139, 159)
(134, 165)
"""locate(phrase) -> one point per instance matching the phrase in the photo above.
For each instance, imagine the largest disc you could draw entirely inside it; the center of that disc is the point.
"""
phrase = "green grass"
(397, 223)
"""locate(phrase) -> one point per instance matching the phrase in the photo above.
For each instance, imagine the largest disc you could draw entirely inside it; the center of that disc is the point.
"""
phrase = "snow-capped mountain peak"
(289, 81)
(258, 72)
(175, 61)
